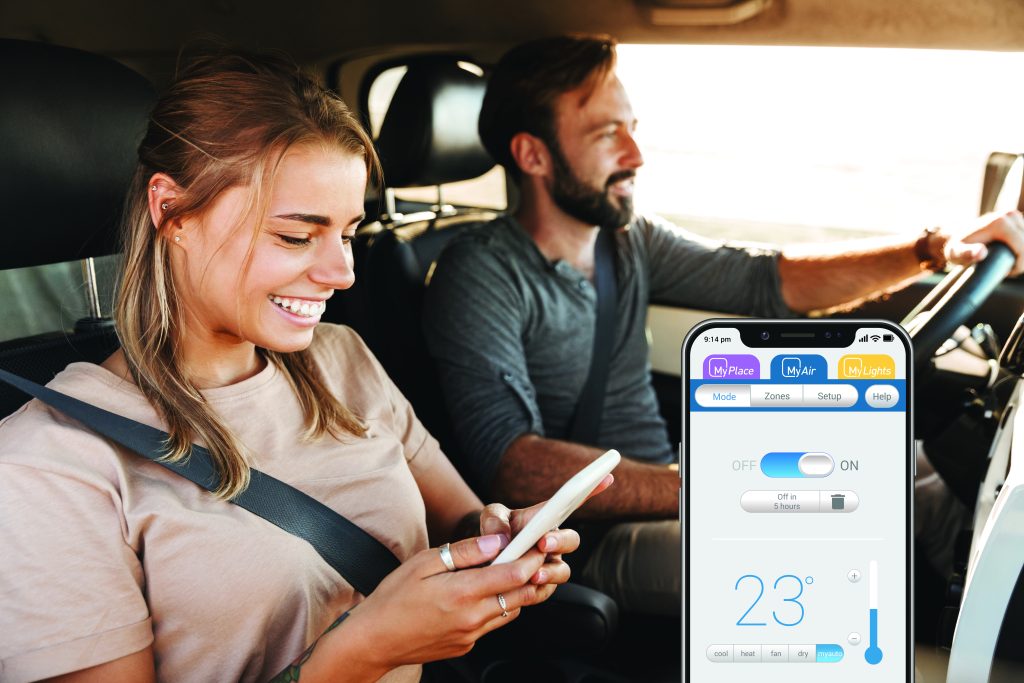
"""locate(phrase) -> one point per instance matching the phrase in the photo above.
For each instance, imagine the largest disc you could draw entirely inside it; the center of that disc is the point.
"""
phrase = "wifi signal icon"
(876, 338)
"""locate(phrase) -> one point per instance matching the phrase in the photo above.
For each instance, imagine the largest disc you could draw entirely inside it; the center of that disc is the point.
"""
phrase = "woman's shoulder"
(349, 367)
(340, 347)
(40, 438)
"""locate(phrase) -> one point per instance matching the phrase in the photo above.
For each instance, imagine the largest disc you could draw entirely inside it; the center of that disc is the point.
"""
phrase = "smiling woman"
(248, 190)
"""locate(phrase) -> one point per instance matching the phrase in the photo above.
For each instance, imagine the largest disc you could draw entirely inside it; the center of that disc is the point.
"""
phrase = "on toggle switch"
(797, 465)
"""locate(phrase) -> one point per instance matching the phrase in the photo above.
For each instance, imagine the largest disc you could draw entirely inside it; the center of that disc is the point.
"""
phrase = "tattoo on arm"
(293, 670)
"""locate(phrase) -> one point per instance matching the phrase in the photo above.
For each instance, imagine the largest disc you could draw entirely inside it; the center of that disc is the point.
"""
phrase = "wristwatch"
(930, 249)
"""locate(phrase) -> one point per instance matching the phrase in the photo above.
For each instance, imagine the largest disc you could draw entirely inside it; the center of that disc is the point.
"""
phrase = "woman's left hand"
(498, 519)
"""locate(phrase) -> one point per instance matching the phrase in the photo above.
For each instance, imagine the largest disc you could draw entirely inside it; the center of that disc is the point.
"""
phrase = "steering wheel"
(953, 301)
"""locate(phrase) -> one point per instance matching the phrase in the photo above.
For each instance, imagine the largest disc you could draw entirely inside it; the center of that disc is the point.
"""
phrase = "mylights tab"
(867, 366)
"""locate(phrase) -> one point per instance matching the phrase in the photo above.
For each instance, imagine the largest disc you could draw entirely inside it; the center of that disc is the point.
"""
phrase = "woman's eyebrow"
(306, 218)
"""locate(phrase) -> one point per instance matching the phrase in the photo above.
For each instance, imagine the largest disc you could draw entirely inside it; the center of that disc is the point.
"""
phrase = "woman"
(249, 189)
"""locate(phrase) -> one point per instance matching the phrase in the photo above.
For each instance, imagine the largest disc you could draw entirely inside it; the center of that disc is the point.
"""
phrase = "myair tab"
(802, 368)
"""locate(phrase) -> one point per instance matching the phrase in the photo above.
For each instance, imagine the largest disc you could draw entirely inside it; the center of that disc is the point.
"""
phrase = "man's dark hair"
(527, 79)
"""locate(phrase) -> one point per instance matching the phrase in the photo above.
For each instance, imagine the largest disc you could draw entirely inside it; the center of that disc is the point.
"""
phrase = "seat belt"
(357, 556)
(586, 421)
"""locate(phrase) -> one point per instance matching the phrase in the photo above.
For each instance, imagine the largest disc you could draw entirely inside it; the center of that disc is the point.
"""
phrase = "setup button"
(720, 653)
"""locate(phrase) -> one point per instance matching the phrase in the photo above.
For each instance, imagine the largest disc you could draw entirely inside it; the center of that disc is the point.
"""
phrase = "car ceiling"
(318, 31)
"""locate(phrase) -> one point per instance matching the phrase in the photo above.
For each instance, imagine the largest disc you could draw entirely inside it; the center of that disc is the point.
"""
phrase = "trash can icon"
(838, 501)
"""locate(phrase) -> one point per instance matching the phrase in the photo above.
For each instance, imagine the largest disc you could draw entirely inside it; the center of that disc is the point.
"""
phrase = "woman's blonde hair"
(225, 122)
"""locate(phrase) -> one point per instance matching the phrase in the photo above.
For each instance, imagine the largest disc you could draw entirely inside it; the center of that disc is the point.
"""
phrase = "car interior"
(78, 82)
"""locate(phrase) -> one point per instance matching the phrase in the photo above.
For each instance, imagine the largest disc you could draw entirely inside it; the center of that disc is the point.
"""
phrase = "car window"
(787, 144)
(487, 191)
(51, 297)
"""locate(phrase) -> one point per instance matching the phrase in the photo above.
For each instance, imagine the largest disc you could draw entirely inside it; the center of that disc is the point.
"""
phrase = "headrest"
(429, 135)
(69, 127)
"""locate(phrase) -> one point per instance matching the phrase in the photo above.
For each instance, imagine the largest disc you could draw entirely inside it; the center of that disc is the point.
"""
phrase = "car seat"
(69, 127)
(429, 137)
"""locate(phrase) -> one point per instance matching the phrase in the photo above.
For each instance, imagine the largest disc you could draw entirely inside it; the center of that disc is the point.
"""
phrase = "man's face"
(595, 156)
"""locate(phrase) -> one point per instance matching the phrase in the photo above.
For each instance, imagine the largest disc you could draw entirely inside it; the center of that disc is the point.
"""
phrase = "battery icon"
(888, 338)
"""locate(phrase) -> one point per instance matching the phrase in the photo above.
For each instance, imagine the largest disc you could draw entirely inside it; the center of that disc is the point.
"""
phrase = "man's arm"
(533, 468)
(847, 274)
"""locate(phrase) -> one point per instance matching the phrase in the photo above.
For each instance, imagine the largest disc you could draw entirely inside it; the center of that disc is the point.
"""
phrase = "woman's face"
(301, 254)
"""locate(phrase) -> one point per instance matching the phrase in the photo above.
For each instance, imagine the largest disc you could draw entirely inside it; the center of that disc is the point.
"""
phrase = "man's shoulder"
(492, 237)
(493, 249)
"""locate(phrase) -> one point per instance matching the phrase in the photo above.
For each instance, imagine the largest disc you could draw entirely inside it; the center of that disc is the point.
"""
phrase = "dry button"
(882, 396)
(804, 654)
(720, 653)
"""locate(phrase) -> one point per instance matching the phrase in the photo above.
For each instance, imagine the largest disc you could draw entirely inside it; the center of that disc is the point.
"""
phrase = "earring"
(177, 238)
(152, 188)
(164, 206)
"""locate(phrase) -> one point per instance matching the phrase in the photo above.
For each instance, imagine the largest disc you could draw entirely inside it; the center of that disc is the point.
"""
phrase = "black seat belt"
(356, 555)
(586, 422)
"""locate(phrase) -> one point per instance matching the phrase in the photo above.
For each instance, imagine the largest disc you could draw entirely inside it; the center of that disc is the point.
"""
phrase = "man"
(511, 308)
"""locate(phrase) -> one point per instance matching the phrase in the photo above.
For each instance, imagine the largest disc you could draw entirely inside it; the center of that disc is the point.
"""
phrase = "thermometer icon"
(873, 654)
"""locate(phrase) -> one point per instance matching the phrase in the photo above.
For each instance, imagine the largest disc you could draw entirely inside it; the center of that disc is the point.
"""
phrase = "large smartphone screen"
(797, 502)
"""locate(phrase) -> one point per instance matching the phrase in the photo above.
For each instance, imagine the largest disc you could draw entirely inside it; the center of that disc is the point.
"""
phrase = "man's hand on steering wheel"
(966, 246)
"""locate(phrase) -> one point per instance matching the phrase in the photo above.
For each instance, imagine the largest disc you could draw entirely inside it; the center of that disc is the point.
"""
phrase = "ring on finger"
(446, 557)
(503, 604)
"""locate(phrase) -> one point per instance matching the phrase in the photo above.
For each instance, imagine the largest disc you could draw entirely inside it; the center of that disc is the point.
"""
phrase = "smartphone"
(797, 502)
(570, 496)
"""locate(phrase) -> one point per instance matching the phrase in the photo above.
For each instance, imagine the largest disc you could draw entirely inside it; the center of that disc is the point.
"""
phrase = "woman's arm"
(453, 510)
(136, 667)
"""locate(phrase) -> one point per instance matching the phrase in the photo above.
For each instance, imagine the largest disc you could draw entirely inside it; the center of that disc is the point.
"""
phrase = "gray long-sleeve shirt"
(512, 333)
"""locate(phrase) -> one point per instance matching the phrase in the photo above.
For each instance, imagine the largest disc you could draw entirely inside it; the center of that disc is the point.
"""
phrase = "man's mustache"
(619, 175)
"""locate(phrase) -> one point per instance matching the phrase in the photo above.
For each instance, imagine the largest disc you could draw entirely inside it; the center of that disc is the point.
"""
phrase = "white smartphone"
(559, 506)
(797, 502)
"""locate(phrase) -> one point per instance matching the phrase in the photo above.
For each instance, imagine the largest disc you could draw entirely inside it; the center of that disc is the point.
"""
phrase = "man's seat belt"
(357, 556)
(586, 422)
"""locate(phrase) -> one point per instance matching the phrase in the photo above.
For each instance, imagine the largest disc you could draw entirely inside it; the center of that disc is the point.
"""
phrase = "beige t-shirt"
(103, 552)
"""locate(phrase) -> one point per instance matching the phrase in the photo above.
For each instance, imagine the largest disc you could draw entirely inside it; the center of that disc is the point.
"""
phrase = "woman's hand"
(422, 612)
(498, 519)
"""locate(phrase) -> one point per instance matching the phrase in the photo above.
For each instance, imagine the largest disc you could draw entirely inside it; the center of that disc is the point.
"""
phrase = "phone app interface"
(798, 491)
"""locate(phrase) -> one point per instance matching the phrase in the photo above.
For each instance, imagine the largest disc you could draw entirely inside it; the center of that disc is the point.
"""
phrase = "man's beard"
(583, 202)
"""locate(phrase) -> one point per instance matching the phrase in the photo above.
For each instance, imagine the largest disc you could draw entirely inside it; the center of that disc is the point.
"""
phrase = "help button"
(882, 396)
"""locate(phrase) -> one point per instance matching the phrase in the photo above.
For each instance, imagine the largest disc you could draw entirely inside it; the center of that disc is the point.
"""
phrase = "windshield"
(789, 144)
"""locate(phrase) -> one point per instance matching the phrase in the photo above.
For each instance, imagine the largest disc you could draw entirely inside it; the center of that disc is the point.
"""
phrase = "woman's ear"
(163, 192)
(530, 154)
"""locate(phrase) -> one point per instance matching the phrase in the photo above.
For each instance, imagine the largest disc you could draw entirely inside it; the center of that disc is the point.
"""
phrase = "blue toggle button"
(829, 654)
(797, 465)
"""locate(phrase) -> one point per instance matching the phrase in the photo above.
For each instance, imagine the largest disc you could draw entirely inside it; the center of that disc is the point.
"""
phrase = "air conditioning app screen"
(797, 499)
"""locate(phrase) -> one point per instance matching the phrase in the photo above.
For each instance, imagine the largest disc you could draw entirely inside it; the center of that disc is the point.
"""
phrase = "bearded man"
(510, 313)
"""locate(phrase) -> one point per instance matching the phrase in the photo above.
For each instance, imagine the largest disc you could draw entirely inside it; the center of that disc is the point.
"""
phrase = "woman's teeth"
(304, 309)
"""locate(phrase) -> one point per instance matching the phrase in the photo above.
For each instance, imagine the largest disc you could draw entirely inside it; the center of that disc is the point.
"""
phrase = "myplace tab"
(732, 366)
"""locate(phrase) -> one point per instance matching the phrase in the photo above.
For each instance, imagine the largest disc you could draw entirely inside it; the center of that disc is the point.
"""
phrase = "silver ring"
(446, 557)
(504, 605)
